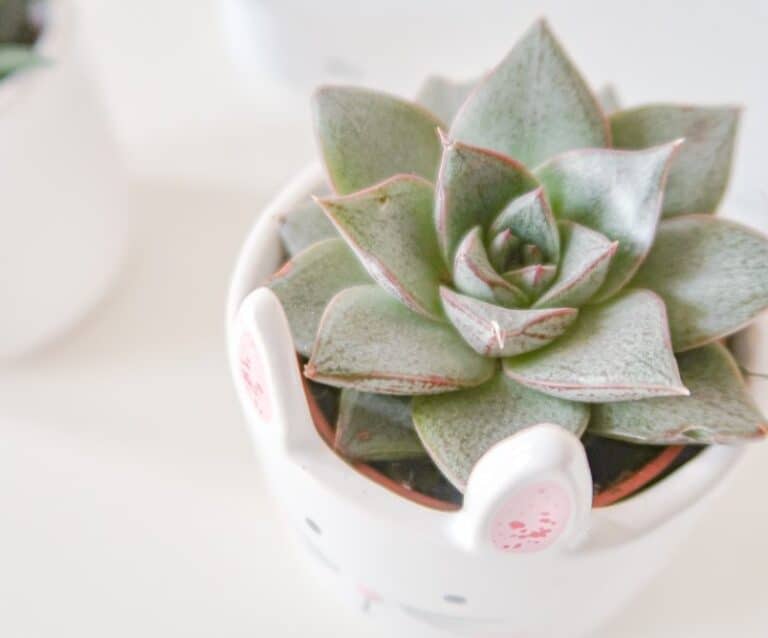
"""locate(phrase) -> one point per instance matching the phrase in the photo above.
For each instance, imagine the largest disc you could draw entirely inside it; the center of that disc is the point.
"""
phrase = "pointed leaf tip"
(699, 174)
(530, 218)
(534, 105)
(719, 409)
(712, 275)
(370, 342)
(366, 137)
(617, 351)
(474, 275)
(532, 279)
(473, 185)
(494, 331)
(502, 249)
(584, 266)
(617, 193)
(389, 227)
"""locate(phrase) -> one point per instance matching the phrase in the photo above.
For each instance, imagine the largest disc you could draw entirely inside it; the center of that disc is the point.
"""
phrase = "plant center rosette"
(521, 258)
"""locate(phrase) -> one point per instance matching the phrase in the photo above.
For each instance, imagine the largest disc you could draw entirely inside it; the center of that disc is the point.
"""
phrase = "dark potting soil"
(420, 476)
(611, 462)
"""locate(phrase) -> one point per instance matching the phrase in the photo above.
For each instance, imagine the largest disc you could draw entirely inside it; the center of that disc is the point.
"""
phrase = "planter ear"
(529, 493)
(267, 375)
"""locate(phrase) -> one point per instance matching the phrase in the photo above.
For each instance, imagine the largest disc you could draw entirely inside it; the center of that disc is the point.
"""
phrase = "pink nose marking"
(531, 519)
(252, 371)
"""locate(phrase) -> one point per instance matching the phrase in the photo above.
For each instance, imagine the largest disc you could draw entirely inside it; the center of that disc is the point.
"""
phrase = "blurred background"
(129, 501)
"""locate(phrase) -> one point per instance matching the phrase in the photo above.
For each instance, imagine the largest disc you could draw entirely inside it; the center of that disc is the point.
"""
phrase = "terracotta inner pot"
(612, 484)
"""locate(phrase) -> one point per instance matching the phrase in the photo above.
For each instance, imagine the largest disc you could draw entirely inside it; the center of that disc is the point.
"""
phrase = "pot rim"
(646, 509)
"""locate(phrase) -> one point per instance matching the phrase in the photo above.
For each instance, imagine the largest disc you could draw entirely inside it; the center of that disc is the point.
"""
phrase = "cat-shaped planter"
(525, 557)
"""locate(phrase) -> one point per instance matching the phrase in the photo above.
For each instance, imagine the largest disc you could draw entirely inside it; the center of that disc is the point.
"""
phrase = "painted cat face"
(454, 618)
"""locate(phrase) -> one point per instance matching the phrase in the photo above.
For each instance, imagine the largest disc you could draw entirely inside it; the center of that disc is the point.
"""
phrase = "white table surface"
(130, 503)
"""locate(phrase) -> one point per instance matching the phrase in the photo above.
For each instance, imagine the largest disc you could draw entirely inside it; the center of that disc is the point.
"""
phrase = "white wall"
(182, 108)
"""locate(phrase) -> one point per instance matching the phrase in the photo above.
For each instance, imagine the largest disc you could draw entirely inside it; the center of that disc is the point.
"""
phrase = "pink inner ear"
(252, 371)
(532, 518)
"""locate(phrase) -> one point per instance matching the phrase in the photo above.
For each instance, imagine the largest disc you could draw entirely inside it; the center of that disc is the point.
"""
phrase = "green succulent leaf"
(457, 429)
(421, 477)
(712, 275)
(531, 255)
(699, 174)
(617, 193)
(533, 105)
(389, 226)
(14, 58)
(584, 266)
(474, 275)
(370, 342)
(443, 97)
(719, 410)
(473, 185)
(616, 351)
(530, 218)
(502, 249)
(532, 279)
(304, 225)
(493, 331)
(376, 427)
(309, 281)
(366, 137)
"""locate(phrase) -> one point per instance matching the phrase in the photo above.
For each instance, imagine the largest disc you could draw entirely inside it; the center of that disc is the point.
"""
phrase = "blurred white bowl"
(63, 223)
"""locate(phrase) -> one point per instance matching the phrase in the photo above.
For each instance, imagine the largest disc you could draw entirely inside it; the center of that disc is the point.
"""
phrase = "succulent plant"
(521, 257)
(18, 32)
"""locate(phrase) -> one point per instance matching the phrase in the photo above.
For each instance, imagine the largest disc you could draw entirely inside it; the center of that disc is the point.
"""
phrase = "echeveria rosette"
(512, 266)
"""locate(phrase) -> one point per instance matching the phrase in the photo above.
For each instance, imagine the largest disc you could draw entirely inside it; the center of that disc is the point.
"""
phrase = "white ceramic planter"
(63, 223)
(430, 573)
